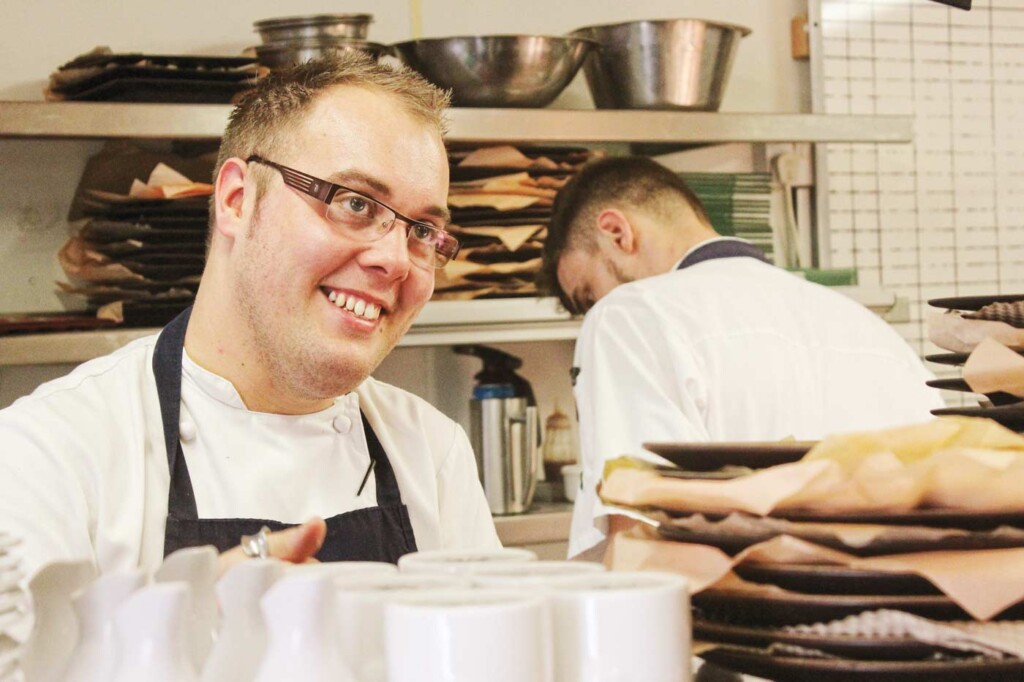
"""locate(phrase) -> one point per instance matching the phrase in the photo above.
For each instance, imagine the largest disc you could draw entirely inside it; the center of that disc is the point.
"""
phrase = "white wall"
(39, 176)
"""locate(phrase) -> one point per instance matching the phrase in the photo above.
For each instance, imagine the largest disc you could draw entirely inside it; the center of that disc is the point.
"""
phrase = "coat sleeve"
(637, 382)
(44, 488)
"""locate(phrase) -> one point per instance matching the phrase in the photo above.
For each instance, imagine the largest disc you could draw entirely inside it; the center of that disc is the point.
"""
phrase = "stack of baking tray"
(976, 317)
(500, 199)
(139, 259)
(104, 76)
(805, 601)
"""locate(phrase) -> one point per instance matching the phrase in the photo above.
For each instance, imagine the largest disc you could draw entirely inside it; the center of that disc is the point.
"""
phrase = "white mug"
(621, 627)
(460, 560)
(529, 575)
(468, 636)
(361, 603)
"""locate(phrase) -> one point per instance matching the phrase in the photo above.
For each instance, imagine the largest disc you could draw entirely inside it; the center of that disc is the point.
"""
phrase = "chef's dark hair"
(265, 119)
(618, 182)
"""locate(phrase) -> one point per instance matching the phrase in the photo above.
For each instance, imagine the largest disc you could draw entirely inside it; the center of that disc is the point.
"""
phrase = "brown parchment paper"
(954, 333)
(992, 367)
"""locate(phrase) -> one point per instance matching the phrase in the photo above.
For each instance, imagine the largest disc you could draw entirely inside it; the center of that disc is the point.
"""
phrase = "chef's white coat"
(731, 349)
(83, 467)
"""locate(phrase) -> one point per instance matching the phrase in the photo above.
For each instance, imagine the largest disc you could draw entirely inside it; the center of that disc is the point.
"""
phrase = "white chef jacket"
(731, 349)
(83, 467)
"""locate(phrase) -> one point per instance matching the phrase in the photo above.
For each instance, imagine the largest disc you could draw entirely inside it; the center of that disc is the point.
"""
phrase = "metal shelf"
(207, 121)
(440, 323)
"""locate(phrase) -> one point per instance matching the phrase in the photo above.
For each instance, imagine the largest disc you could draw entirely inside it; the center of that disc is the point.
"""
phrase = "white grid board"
(944, 215)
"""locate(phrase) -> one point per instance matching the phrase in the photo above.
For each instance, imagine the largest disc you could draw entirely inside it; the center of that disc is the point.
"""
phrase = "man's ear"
(229, 197)
(614, 226)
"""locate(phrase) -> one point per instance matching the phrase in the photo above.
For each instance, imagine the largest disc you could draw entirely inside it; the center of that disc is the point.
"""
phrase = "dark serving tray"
(869, 648)
(795, 669)
(997, 397)
(973, 302)
(161, 90)
(710, 456)
(795, 608)
(72, 89)
(830, 579)
(732, 542)
(191, 61)
(1010, 416)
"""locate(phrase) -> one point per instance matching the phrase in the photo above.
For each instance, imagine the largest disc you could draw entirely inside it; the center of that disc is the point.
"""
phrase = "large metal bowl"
(290, 53)
(498, 70)
(661, 64)
(292, 29)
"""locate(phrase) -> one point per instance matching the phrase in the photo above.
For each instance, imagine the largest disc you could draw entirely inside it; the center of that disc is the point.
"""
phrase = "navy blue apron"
(725, 248)
(381, 533)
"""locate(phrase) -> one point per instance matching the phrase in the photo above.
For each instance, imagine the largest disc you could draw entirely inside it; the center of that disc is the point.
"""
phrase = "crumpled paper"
(951, 462)
(994, 368)
(166, 183)
(947, 329)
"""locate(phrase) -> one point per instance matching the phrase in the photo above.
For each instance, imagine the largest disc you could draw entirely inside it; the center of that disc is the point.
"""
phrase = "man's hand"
(294, 545)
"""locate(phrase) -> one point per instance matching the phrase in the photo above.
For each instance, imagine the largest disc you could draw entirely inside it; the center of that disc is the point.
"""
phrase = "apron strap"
(388, 494)
(181, 501)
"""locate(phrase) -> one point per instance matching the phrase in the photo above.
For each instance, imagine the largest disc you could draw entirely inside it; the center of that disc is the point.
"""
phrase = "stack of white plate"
(13, 609)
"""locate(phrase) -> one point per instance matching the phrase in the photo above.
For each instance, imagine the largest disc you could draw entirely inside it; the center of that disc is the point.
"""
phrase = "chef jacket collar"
(704, 243)
(223, 391)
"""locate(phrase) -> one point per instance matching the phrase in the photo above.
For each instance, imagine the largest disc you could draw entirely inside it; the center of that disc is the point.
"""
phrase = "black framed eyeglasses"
(366, 219)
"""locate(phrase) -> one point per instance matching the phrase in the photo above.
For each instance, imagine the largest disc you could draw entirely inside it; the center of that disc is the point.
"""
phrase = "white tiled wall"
(943, 216)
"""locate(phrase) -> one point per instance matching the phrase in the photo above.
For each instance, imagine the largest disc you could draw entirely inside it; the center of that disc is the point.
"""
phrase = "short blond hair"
(261, 121)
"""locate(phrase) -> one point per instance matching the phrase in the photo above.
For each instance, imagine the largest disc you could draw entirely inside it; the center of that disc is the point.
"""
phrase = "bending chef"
(691, 336)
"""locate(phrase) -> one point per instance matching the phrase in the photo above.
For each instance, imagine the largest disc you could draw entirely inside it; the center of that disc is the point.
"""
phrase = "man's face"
(291, 259)
(587, 276)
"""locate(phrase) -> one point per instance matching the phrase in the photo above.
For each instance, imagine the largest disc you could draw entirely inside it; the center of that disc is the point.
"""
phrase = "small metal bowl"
(663, 64)
(290, 29)
(276, 55)
(498, 70)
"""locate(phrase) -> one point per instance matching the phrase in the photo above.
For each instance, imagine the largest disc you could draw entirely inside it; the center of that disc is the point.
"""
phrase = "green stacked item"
(738, 204)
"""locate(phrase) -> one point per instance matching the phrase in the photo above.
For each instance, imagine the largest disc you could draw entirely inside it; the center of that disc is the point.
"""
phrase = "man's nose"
(391, 252)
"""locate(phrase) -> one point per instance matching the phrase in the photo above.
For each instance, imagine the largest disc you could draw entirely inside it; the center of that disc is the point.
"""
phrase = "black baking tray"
(846, 646)
(954, 384)
(831, 579)
(1010, 416)
(187, 61)
(73, 89)
(164, 91)
(795, 669)
(973, 302)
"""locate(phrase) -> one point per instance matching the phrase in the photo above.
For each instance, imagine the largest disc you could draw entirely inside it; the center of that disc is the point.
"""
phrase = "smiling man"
(255, 409)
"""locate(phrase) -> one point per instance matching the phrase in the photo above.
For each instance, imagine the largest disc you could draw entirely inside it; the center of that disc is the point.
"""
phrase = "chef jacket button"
(187, 431)
(342, 424)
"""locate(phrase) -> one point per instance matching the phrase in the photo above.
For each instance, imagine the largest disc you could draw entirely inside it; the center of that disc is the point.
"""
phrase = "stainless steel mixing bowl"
(354, 26)
(661, 64)
(288, 53)
(498, 70)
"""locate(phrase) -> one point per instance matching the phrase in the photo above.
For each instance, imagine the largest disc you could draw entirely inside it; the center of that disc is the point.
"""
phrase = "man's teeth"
(356, 306)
